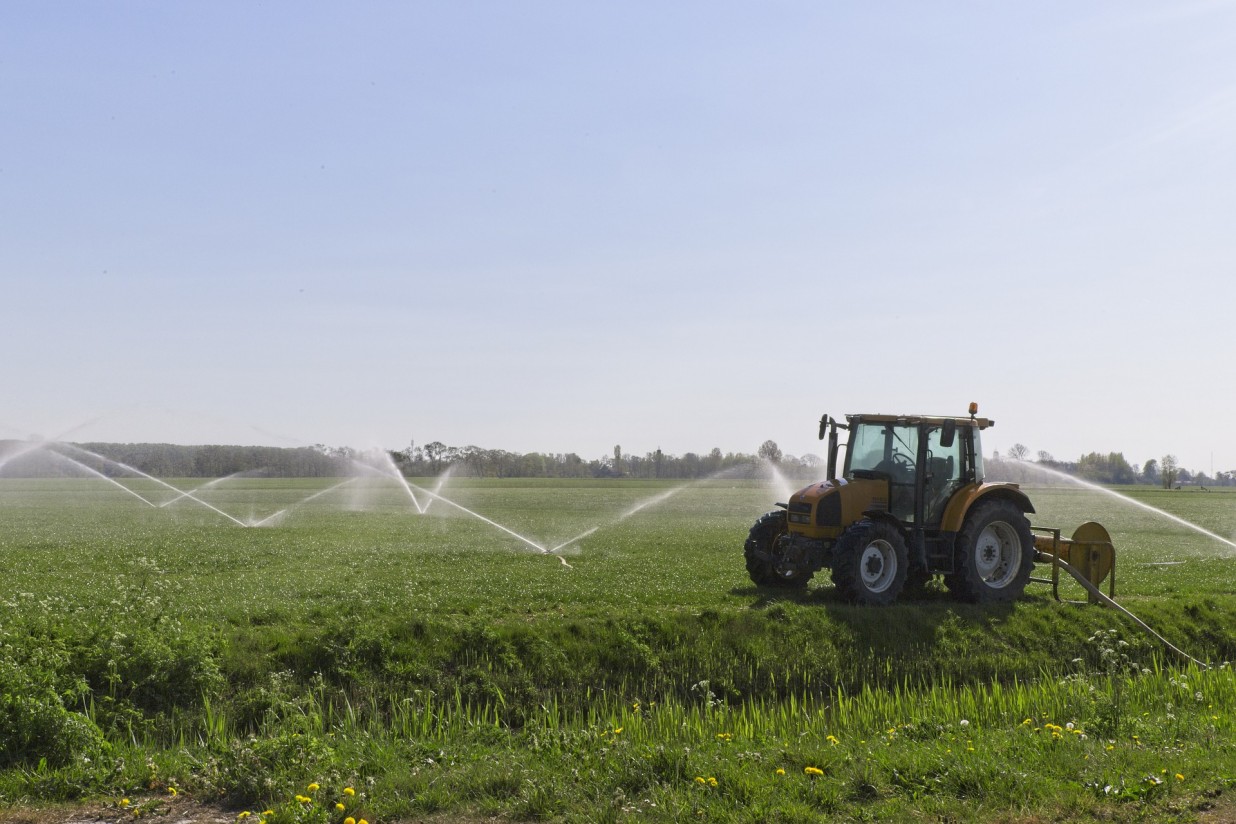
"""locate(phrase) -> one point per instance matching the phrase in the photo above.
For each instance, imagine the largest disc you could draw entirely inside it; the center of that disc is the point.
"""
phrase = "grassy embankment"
(435, 663)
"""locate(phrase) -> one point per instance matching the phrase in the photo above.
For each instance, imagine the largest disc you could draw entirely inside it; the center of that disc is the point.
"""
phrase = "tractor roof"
(914, 420)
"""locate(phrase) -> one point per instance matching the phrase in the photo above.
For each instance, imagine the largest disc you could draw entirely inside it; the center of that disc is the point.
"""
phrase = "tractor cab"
(923, 460)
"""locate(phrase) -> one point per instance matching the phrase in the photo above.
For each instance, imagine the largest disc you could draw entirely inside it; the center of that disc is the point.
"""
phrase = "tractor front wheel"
(766, 561)
(994, 555)
(870, 563)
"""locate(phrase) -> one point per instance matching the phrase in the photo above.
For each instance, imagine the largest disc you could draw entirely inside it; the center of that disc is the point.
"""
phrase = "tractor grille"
(828, 513)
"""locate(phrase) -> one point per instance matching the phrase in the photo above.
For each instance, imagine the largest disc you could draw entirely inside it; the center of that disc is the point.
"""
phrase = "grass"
(438, 663)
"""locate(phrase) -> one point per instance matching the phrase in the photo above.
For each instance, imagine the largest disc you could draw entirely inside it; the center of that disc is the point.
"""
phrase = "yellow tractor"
(909, 504)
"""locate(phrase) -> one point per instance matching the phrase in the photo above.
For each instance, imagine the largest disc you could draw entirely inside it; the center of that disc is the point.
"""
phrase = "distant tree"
(435, 453)
(770, 452)
(1111, 468)
(1150, 471)
(617, 460)
(1169, 470)
(1045, 457)
(1018, 452)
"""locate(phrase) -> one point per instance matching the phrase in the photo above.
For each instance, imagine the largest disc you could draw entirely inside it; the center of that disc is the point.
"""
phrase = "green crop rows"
(438, 663)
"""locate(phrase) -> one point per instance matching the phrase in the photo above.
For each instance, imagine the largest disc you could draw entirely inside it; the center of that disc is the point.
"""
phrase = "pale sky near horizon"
(560, 226)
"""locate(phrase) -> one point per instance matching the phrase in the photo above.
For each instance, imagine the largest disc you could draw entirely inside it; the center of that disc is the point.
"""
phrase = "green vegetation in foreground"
(435, 663)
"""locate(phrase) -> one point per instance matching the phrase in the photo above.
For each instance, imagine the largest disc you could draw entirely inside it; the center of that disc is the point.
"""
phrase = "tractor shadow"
(925, 622)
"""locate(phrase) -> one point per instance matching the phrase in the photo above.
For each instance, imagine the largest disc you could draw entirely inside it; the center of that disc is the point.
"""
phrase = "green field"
(438, 664)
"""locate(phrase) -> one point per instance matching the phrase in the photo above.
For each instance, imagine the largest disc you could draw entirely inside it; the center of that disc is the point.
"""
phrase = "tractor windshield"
(884, 447)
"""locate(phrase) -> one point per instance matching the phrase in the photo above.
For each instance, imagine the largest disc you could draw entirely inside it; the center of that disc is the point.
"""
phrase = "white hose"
(1103, 599)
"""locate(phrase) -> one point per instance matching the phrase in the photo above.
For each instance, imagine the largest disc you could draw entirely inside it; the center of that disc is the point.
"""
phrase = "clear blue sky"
(564, 226)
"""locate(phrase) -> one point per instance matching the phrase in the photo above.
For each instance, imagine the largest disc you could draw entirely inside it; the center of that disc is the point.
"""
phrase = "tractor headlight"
(800, 513)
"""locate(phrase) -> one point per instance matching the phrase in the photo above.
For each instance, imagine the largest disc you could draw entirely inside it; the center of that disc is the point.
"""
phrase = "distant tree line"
(434, 457)
(215, 461)
(165, 460)
(1110, 468)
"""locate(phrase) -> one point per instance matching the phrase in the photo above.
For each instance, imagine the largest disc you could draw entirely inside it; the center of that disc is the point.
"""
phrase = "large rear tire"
(994, 555)
(777, 572)
(870, 563)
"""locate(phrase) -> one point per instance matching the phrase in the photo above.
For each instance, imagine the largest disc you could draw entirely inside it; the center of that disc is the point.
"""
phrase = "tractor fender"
(965, 498)
(882, 515)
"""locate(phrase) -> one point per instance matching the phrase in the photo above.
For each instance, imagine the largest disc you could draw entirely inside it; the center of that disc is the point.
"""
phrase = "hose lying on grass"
(1106, 601)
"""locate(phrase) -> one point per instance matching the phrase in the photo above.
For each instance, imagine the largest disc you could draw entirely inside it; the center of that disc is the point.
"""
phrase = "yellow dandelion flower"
(349, 820)
(780, 771)
(243, 815)
(712, 782)
(124, 802)
(832, 739)
(618, 730)
(699, 779)
(1111, 747)
(172, 792)
(339, 806)
(362, 821)
(349, 791)
(1179, 777)
(313, 788)
(266, 813)
(813, 771)
(303, 799)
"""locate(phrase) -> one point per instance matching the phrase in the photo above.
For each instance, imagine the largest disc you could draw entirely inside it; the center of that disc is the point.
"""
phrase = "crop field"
(449, 664)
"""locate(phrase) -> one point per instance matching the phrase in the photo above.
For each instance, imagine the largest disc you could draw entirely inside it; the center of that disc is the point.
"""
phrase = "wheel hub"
(997, 554)
(878, 566)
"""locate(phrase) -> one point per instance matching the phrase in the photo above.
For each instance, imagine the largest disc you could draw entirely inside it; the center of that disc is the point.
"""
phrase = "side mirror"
(948, 433)
(823, 427)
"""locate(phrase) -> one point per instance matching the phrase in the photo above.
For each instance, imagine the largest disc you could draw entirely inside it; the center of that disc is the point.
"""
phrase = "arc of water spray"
(125, 466)
(1136, 502)
(653, 500)
(198, 489)
(302, 501)
(99, 474)
(395, 475)
(33, 445)
(479, 516)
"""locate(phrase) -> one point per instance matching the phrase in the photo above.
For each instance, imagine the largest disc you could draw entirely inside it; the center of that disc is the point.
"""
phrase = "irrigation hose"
(1105, 600)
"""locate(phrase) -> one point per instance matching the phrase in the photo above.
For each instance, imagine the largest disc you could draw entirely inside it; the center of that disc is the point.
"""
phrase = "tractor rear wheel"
(870, 563)
(994, 555)
(773, 569)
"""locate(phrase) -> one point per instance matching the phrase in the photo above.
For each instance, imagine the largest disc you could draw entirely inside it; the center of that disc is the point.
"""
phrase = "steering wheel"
(902, 465)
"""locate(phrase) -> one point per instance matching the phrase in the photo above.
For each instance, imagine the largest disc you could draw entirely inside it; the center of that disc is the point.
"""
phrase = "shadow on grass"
(932, 621)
